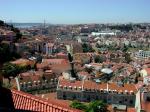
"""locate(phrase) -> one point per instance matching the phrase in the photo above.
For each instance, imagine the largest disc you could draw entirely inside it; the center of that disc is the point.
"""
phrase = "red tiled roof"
(131, 110)
(146, 106)
(42, 65)
(68, 83)
(61, 54)
(24, 101)
(92, 85)
(56, 61)
(52, 97)
(60, 68)
(31, 76)
(139, 85)
(82, 73)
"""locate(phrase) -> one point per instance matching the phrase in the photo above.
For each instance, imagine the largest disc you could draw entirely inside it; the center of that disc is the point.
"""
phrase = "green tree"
(11, 70)
(87, 48)
(5, 53)
(127, 58)
(99, 59)
(78, 105)
(70, 57)
(72, 65)
(1, 23)
(18, 36)
(97, 106)
(125, 48)
(94, 106)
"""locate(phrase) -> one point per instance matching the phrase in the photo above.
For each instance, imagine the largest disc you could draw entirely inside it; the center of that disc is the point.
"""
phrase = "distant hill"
(25, 25)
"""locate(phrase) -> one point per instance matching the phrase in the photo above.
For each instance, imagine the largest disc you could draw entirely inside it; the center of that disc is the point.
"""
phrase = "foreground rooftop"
(13, 100)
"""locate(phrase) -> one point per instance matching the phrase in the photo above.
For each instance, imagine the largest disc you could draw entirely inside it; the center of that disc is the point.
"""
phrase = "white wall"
(138, 102)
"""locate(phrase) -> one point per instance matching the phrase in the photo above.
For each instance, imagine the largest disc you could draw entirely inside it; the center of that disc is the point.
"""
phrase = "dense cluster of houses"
(101, 74)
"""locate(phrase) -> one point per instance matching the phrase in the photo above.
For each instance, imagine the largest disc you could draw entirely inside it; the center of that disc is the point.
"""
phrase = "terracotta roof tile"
(42, 65)
(83, 73)
(68, 83)
(105, 86)
(55, 61)
(131, 110)
(24, 101)
(146, 106)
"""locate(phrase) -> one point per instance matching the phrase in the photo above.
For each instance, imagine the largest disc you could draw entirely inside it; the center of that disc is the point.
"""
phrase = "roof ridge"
(43, 101)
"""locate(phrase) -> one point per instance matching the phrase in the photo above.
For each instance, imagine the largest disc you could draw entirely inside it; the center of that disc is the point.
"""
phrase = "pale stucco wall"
(143, 73)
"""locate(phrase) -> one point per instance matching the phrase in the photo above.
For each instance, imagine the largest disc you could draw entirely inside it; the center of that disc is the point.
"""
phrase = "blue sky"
(75, 11)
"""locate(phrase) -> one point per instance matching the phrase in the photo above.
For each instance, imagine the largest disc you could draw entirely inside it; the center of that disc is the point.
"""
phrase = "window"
(88, 98)
(131, 101)
(125, 100)
(64, 96)
(97, 97)
(105, 101)
(148, 98)
(74, 97)
(109, 98)
(120, 102)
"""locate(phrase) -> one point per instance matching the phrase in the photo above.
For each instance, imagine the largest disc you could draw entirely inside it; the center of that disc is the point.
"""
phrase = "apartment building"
(142, 54)
(112, 93)
(37, 82)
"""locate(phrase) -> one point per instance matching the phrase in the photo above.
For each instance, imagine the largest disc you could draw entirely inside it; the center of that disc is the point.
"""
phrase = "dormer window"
(60, 86)
(131, 92)
(75, 87)
(80, 88)
(65, 87)
(102, 90)
(126, 91)
(109, 91)
(70, 87)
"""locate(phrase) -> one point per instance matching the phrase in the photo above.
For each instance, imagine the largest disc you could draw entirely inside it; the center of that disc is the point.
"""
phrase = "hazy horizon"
(75, 23)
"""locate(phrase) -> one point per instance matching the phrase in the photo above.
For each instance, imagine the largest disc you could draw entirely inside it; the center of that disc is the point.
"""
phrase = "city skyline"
(75, 12)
